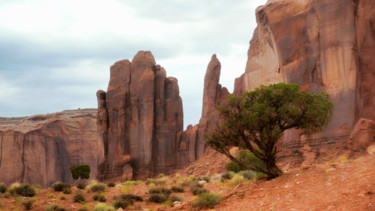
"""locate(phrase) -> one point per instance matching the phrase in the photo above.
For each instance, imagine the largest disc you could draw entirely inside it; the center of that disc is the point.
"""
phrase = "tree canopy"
(81, 171)
(256, 120)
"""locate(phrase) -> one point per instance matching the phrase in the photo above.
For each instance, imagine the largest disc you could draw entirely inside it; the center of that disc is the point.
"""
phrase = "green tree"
(80, 172)
(256, 120)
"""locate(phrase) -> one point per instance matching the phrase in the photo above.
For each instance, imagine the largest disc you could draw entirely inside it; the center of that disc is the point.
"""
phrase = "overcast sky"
(55, 55)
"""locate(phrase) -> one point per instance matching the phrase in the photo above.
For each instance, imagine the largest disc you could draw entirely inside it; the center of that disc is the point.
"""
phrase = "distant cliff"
(41, 149)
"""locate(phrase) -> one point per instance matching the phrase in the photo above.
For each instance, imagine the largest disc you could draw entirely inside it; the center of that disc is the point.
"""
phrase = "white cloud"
(54, 55)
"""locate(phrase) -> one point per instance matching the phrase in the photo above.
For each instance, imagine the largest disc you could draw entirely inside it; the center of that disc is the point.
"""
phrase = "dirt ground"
(339, 184)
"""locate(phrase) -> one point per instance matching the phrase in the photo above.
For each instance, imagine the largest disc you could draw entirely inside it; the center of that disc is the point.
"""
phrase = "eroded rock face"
(41, 149)
(140, 117)
(322, 45)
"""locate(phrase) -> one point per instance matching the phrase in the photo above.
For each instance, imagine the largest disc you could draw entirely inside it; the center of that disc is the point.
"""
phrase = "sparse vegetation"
(157, 198)
(27, 204)
(103, 207)
(67, 190)
(206, 200)
(164, 191)
(256, 120)
(227, 175)
(59, 186)
(83, 208)
(79, 197)
(26, 190)
(111, 184)
(174, 198)
(81, 186)
(236, 180)
(55, 208)
(177, 189)
(205, 178)
(97, 187)
(99, 197)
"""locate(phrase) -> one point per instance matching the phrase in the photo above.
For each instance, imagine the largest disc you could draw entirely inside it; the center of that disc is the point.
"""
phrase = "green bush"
(205, 178)
(99, 197)
(177, 189)
(3, 188)
(198, 190)
(121, 202)
(84, 208)
(81, 185)
(206, 200)
(26, 190)
(157, 198)
(79, 197)
(67, 190)
(103, 207)
(59, 186)
(27, 204)
(247, 174)
(164, 191)
(232, 166)
(236, 180)
(55, 208)
(80, 171)
(98, 187)
(131, 197)
(227, 175)
(111, 184)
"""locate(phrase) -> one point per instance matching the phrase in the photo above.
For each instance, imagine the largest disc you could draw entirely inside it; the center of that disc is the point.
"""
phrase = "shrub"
(98, 187)
(99, 197)
(55, 208)
(26, 190)
(205, 178)
(79, 197)
(81, 185)
(174, 198)
(163, 191)
(111, 184)
(227, 175)
(131, 197)
(236, 180)
(83, 208)
(27, 204)
(103, 207)
(198, 190)
(121, 202)
(247, 174)
(80, 171)
(3, 188)
(59, 186)
(177, 189)
(67, 190)
(157, 198)
(206, 200)
(232, 166)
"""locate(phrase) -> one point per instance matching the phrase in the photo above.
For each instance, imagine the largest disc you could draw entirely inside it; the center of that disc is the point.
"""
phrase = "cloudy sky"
(55, 55)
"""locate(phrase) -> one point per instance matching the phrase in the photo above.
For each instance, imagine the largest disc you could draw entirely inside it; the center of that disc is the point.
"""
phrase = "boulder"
(362, 135)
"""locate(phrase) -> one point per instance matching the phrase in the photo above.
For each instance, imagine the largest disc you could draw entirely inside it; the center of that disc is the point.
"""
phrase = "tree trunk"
(273, 172)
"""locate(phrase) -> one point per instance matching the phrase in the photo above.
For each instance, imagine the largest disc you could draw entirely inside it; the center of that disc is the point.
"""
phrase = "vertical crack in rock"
(23, 159)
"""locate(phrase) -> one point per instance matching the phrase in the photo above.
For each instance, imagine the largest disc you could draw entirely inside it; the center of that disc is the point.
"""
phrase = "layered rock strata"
(41, 149)
(322, 45)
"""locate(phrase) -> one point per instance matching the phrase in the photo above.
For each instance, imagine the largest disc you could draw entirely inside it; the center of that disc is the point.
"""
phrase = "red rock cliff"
(140, 120)
(322, 45)
(41, 149)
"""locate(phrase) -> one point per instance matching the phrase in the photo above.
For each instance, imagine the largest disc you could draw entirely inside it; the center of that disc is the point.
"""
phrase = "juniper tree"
(256, 120)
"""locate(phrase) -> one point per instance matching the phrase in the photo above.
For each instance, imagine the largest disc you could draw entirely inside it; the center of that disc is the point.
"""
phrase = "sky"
(55, 55)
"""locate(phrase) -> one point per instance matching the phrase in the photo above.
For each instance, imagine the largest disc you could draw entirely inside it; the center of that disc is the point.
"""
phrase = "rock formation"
(140, 120)
(41, 149)
(322, 45)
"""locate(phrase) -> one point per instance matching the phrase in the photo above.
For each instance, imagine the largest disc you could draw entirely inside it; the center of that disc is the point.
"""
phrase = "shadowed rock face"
(140, 120)
(322, 45)
(41, 149)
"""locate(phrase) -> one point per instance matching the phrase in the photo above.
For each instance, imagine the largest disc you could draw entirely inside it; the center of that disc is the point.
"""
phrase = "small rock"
(202, 182)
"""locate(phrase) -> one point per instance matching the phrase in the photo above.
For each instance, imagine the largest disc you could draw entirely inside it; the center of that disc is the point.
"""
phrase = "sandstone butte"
(140, 120)
(41, 149)
(322, 45)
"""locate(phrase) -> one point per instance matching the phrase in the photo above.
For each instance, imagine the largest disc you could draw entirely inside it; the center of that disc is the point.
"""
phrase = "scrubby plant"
(256, 120)
(103, 207)
(67, 190)
(59, 186)
(177, 189)
(206, 200)
(121, 202)
(55, 208)
(167, 204)
(247, 174)
(205, 178)
(198, 190)
(98, 187)
(84, 208)
(27, 204)
(227, 175)
(80, 172)
(236, 180)
(3, 188)
(161, 190)
(26, 190)
(157, 198)
(99, 197)
(174, 198)
(79, 197)
(111, 184)
(131, 197)
(81, 185)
